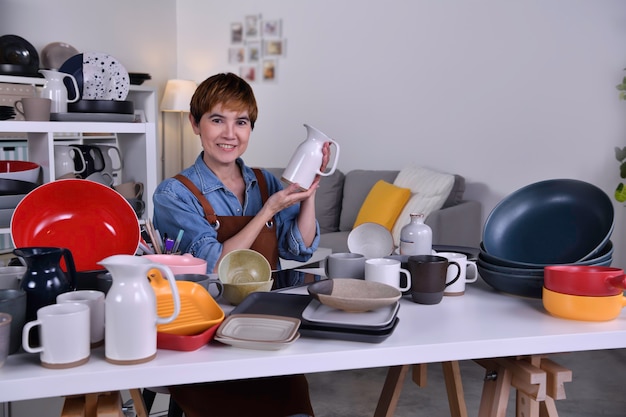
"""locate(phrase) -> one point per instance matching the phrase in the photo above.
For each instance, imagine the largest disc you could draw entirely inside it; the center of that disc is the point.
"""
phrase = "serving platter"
(317, 312)
(259, 328)
(54, 54)
(257, 344)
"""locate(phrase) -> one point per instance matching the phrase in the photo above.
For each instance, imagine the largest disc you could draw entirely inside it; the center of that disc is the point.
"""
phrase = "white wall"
(504, 93)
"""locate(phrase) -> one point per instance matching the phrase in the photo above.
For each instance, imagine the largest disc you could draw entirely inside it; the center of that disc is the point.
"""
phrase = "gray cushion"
(456, 195)
(327, 199)
(357, 185)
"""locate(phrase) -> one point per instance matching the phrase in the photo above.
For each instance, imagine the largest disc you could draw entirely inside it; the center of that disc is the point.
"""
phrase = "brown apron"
(227, 226)
(274, 396)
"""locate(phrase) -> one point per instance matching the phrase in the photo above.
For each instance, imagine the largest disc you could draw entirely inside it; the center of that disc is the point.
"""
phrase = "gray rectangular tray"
(292, 305)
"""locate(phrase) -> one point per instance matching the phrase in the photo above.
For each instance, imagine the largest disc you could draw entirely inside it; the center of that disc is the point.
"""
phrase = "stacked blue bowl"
(552, 222)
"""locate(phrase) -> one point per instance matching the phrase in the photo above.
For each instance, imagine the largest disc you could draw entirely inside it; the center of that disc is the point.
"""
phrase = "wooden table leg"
(454, 388)
(138, 404)
(496, 388)
(392, 388)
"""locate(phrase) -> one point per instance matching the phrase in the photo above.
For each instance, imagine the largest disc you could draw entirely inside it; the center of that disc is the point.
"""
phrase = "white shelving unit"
(137, 142)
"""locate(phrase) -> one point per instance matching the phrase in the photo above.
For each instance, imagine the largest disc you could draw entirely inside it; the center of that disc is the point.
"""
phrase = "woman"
(223, 113)
(222, 205)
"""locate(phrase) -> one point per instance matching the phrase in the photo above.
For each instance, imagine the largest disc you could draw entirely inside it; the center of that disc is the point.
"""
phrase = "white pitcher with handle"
(55, 90)
(307, 159)
(131, 309)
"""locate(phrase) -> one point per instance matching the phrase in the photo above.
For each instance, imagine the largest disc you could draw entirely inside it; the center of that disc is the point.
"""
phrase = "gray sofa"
(340, 196)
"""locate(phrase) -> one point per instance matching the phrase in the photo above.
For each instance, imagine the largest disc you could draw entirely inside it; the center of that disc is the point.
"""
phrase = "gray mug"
(345, 265)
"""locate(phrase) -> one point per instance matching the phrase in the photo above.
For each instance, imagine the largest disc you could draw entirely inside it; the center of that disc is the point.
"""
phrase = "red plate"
(92, 220)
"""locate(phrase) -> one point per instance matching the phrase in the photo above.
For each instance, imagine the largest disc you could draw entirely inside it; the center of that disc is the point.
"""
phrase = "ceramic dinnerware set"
(552, 222)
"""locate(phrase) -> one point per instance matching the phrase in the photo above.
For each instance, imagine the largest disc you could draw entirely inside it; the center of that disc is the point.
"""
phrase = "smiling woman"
(224, 206)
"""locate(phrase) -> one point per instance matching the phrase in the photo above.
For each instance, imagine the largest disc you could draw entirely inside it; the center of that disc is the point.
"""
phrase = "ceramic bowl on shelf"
(20, 170)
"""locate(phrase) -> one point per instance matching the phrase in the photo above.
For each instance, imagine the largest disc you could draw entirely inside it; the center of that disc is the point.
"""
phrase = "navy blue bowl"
(605, 254)
(556, 221)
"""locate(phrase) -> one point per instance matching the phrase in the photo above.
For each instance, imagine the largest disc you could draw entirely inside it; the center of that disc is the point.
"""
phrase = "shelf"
(71, 127)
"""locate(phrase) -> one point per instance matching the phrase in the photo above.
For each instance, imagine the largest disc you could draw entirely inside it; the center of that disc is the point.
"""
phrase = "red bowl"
(92, 220)
(19, 170)
(587, 280)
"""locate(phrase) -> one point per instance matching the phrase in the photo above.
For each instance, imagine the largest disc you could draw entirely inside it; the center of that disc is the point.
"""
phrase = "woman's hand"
(289, 196)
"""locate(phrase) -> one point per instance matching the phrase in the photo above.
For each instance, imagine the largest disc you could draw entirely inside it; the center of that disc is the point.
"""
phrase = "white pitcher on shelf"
(55, 89)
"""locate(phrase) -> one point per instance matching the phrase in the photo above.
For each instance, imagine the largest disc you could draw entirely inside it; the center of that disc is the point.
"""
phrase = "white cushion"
(429, 191)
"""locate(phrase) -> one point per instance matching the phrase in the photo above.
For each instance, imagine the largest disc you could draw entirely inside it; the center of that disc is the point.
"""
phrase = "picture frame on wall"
(269, 70)
(236, 55)
(249, 72)
(252, 26)
(253, 51)
(236, 32)
(271, 28)
(274, 47)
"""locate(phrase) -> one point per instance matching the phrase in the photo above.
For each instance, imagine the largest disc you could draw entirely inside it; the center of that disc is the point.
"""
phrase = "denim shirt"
(176, 208)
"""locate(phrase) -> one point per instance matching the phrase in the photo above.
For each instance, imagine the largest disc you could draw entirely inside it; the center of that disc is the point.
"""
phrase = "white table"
(480, 324)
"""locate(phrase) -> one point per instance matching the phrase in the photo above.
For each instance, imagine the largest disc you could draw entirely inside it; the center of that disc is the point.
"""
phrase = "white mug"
(64, 335)
(112, 161)
(64, 160)
(469, 272)
(387, 271)
(95, 301)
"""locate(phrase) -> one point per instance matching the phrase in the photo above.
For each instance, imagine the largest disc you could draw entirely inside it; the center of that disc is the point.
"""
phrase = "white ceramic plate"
(317, 312)
(370, 240)
(258, 328)
(248, 344)
(104, 78)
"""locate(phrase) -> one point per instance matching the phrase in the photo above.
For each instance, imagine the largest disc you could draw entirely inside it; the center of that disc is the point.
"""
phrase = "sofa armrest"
(459, 225)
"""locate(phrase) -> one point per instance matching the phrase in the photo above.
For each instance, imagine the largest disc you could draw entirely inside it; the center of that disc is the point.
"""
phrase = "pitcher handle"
(335, 160)
(76, 90)
(71, 267)
(167, 274)
(82, 159)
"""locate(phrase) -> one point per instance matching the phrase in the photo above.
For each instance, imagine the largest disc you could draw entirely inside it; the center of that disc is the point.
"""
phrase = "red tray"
(186, 343)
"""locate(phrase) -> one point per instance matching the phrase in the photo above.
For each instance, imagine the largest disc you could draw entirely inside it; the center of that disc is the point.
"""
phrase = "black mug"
(428, 277)
(94, 160)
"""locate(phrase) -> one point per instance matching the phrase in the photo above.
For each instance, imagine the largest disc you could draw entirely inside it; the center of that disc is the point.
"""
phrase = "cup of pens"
(180, 264)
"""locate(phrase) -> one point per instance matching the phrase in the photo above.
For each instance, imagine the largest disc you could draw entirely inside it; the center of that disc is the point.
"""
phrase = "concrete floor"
(596, 389)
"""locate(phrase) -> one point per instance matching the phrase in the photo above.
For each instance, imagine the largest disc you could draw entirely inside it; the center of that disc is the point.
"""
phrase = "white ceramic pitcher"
(55, 90)
(307, 159)
(131, 310)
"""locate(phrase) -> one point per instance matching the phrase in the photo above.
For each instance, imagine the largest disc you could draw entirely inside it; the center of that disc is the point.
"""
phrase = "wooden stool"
(101, 404)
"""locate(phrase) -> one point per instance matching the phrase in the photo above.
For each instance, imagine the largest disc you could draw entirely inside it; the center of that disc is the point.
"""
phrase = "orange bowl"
(580, 307)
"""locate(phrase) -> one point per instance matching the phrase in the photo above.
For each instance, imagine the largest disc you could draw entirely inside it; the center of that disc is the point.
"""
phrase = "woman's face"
(224, 135)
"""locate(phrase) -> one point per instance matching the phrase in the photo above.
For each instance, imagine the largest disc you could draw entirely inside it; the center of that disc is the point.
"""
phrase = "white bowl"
(371, 240)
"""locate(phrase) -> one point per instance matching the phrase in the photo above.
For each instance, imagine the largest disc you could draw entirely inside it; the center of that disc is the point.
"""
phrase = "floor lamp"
(176, 99)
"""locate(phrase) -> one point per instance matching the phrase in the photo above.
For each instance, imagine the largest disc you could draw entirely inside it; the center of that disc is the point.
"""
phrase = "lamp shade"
(178, 95)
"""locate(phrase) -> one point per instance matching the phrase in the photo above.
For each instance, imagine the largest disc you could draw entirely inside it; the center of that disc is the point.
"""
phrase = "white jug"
(131, 309)
(55, 90)
(306, 161)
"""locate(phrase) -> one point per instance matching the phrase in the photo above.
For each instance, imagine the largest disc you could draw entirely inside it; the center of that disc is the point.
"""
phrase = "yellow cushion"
(383, 204)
